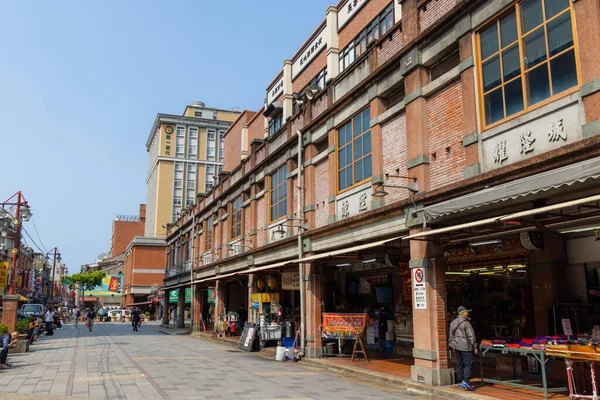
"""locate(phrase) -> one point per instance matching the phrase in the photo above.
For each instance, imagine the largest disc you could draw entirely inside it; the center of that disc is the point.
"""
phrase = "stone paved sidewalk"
(116, 363)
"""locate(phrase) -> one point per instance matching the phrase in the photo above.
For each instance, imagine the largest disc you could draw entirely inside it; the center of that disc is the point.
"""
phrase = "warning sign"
(419, 289)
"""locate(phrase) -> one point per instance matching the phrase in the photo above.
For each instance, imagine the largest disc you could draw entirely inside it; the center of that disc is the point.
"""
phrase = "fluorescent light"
(475, 269)
(369, 261)
(457, 273)
(484, 242)
(343, 265)
(498, 268)
(577, 230)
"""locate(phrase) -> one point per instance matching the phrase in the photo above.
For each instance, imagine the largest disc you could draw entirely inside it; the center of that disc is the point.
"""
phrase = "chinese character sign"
(3, 274)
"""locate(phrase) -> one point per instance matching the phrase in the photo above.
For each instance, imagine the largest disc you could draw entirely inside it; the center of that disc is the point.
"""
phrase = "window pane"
(538, 85)
(342, 179)
(366, 117)
(564, 73)
(342, 158)
(341, 136)
(367, 143)
(358, 171)
(358, 148)
(560, 35)
(489, 41)
(349, 176)
(367, 167)
(508, 29)
(273, 212)
(494, 108)
(357, 125)
(510, 62)
(283, 192)
(531, 14)
(282, 174)
(349, 132)
(553, 7)
(274, 196)
(491, 73)
(513, 93)
(534, 49)
(283, 208)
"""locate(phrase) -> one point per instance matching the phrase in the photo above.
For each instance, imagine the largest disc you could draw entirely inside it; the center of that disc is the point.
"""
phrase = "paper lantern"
(260, 284)
(272, 282)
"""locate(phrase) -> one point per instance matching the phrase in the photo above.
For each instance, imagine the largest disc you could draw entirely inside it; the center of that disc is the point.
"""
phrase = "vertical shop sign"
(420, 289)
(3, 274)
(566, 324)
(290, 281)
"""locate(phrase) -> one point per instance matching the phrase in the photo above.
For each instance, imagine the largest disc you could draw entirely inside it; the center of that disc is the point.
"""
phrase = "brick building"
(125, 228)
(451, 140)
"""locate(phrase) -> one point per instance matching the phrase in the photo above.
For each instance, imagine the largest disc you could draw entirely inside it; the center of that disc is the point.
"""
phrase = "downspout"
(300, 252)
(192, 289)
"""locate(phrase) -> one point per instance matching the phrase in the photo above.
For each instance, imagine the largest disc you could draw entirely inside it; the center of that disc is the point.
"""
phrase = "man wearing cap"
(462, 340)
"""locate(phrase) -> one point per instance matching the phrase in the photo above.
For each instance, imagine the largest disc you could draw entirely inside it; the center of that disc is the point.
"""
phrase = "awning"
(348, 250)
(276, 105)
(503, 218)
(144, 303)
(553, 179)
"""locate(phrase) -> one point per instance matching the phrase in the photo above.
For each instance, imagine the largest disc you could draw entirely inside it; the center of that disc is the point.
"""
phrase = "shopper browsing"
(462, 340)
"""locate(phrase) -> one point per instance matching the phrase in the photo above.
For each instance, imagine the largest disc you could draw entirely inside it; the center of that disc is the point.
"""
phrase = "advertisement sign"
(290, 281)
(108, 287)
(174, 295)
(343, 324)
(420, 289)
(211, 296)
(3, 274)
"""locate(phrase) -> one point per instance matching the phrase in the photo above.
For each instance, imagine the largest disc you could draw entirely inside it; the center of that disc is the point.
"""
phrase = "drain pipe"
(300, 252)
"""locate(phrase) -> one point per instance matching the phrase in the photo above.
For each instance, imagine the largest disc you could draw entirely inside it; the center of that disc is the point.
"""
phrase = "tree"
(84, 280)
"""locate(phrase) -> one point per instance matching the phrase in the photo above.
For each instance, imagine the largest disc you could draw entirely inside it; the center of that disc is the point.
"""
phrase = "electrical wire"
(33, 241)
(38, 235)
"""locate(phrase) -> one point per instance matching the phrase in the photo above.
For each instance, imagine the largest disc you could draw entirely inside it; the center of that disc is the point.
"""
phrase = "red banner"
(344, 323)
(114, 284)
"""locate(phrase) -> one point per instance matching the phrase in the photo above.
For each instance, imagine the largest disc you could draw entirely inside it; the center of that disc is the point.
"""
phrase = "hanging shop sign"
(211, 296)
(3, 274)
(420, 289)
(471, 253)
(174, 295)
(290, 281)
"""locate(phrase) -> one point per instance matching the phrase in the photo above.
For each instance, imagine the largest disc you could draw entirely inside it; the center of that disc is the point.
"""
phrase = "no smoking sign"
(419, 289)
(419, 275)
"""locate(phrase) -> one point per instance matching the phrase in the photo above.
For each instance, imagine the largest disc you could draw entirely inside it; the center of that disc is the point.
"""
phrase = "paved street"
(114, 362)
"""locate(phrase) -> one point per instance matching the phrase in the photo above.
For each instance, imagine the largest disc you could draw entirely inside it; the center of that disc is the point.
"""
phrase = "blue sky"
(82, 81)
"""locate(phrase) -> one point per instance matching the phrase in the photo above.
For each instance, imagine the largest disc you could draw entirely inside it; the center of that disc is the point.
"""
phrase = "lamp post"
(22, 212)
(58, 258)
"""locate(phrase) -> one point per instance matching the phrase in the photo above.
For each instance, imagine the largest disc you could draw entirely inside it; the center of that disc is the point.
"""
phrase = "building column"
(165, 307)
(10, 307)
(417, 138)
(288, 99)
(467, 79)
(181, 308)
(332, 171)
(197, 307)
(333, 62)
(313, 286)
(430, 350)
(310, 186)
(251, 290)
(220, 298)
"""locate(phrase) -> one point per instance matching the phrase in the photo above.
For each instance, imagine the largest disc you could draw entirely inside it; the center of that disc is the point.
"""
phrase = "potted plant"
(127, 316)
(21, 327)
(113, 316)
(147, 316)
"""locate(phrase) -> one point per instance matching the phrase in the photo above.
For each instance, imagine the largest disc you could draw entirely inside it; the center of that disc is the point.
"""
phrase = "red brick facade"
(432, 11)
(124, 231)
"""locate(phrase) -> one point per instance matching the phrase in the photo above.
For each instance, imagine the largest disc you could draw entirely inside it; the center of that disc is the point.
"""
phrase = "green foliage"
(3, 329)
(147, 313)
(20, 326)
(85, 280)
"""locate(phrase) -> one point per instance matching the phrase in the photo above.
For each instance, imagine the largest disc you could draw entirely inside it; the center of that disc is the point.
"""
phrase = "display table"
(539, 355)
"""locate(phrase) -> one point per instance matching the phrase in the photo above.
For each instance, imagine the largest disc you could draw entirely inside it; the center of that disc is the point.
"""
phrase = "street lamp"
(22, 212)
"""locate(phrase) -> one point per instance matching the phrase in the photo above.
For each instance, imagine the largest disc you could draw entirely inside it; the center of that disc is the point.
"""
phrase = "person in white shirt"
(49, 317)
(75, 314)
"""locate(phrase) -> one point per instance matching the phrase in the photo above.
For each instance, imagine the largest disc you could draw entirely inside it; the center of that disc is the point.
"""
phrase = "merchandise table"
(539, 355)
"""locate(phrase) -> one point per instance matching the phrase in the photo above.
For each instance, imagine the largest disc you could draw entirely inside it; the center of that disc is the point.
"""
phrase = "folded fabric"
(513, 345)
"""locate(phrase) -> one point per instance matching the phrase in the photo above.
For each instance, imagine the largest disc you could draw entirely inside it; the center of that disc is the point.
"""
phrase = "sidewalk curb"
(434, 391)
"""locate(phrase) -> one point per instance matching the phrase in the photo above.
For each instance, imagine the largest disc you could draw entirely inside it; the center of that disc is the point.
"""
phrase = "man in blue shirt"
(9, 341)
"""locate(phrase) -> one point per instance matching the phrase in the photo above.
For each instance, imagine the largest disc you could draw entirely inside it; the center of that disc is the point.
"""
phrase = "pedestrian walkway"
(113, 362)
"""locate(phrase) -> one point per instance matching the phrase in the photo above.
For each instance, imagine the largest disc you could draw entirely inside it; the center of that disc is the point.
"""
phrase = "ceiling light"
(457, 273)
(484, 242)
(475, 269)
(343, 265)
(369, 261)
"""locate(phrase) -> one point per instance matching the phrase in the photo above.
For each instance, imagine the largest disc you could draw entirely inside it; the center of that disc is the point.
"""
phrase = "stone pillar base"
(313, 352)
(431, 376)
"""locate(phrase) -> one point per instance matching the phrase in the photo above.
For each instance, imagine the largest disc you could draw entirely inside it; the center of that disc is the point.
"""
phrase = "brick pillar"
(332, 170)
(251, 291)
(314, 297)
(417, 138)
(165, 307)
(430, 350)
(587, 19)
(467, 81)
(181, 308)
(197, 307)
(10, 307)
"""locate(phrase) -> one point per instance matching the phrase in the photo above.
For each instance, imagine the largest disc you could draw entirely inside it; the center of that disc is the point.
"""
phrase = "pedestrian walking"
(48, 320)
(9, 341)
(76, 314)
(91, 315)
(135, 319)
(462, 341)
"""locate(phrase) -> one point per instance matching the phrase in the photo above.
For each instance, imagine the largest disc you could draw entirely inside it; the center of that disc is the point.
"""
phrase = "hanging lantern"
(260, 284)
(272, 282)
